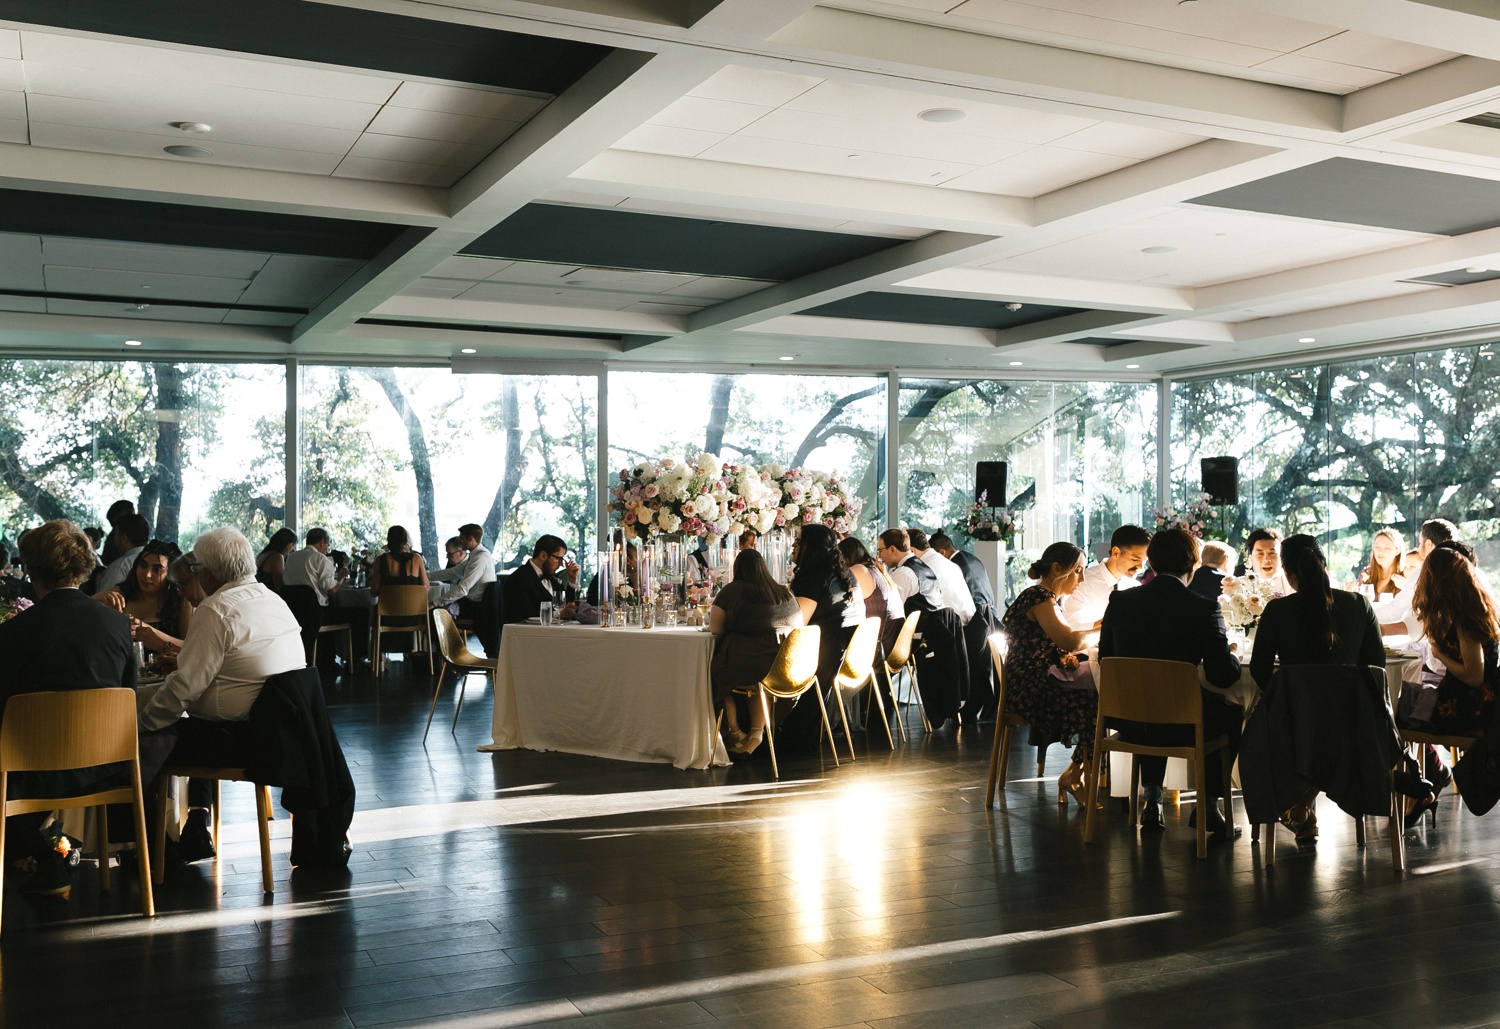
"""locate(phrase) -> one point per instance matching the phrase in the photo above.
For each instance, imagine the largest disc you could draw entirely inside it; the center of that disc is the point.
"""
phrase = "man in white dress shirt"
(908, 573)
(1084, 607)
(133, 533)
(241, 635)
(956, 595)
(311, 566)
(464, 584)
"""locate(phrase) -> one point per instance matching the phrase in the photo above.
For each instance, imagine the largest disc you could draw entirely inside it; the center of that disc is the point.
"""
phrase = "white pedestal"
(991, 554)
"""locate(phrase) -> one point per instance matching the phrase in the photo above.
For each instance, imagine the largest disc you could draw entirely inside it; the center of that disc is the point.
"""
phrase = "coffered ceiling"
(1112, 188)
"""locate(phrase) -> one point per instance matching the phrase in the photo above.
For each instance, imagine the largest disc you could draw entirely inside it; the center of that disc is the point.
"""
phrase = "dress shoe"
(1215, 824)
(195, 843)
(1151, 819)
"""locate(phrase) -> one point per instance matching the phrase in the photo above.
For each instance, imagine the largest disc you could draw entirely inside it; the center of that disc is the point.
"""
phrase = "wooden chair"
(407, 604)
(1160, 693)
(1005, 724)
(794, 672)
(858, 672)
(69, 729)
(903, 656)
(218, 775)
(1417, 738)
(303, 600)
(456, 655)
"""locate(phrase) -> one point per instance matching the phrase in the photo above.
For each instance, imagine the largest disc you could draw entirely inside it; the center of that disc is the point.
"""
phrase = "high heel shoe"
(1420, 808)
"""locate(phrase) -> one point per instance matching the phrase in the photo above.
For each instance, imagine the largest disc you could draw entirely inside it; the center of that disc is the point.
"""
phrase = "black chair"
(310, 615)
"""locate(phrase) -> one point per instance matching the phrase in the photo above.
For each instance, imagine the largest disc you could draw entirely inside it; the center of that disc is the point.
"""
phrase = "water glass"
(544, 614)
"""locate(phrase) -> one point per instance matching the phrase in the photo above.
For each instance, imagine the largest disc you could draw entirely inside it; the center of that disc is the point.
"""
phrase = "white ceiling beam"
(619, 93)
(1443, 93)
(1462, 26)
(1439, 310)
(813, 327)
(1057, 290)
(747, 19)
(1064, 328)
(528, 316)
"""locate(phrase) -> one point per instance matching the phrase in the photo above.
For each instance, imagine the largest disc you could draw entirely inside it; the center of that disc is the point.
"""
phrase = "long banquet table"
(624, 693)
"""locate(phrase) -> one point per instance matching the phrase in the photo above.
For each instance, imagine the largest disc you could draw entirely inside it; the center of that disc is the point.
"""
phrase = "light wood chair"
(218, 775)
(903, 655)
(458, 657)
(1159, 693)
(408, 604)
(1416, 738)
(1005, 724)
(858, 672)
(303, 601)
(793, 673)
(69, 729)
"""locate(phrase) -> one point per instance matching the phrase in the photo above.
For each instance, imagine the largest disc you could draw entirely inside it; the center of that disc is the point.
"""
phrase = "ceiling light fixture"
(943, 115)
(1132, 367)
(1475, 271)
(1015, 364)
(468, 350)
(1158, 250)
(188, 151)
(132, 342)
(192, 126)
(1486, 353)
(787, 357)
(1012, 306)
(1307, 339)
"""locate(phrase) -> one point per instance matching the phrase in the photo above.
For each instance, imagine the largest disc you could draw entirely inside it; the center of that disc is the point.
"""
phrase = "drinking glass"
(545, 612)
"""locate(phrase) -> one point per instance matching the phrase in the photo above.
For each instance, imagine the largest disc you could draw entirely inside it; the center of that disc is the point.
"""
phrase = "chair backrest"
(65, 729)
(901, 650)
(403, 601)
(450, 642)
(303, 602)
(997, 644)
(859, 656)
(1145, 689)
(796, 664)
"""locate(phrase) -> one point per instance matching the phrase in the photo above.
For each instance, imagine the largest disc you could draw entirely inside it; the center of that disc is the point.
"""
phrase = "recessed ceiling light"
(943, 114)
(192, 126)
(1475, 271)
(132, 342)
(1158, 250)
(188, 151)
(468, 350)
(1015, 364)
(853, 157)
(787, 357)
(1132, 367)
(1307, 339)
(1486, 353)
(1187, 3)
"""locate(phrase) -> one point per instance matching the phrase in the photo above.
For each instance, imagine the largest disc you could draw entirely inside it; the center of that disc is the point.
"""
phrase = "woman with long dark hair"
(750, 617)
(1459, 617)
(400, 565)
(1314, 625)
(1038, 637)
(159, 613)
(270, 563)
(830, 599)
(881, 599)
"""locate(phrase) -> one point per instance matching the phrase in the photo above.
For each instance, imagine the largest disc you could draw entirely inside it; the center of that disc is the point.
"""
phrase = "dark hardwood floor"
(518, 888)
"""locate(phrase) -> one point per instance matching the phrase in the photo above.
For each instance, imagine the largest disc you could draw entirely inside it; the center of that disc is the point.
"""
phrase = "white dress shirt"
(309, 567)
(467, 579)
(1085, 605)
(118, 570)
(956, 595)
(239, 637)
(904, 579)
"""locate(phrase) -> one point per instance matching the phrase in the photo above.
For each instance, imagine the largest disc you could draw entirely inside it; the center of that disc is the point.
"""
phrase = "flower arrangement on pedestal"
(989, 524)
(1194, 517)
(710, 500)
(1244, 600)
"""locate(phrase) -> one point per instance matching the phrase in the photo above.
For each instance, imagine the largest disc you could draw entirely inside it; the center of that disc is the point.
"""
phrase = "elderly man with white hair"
(241, 635)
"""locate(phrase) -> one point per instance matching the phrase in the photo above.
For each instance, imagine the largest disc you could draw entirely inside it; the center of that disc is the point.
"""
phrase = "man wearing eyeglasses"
(464, 584)
(549, 577)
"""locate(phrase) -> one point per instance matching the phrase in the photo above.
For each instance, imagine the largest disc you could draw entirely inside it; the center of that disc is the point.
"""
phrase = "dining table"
(626, 693)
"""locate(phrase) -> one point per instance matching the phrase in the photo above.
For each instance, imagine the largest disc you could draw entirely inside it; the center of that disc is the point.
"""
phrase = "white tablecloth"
(627, 694)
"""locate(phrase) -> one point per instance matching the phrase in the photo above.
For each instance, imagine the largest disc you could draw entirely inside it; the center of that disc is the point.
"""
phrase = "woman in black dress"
(750, 617)
(1314, 625)
(270, 563)
(1037, 637)
(399, 565)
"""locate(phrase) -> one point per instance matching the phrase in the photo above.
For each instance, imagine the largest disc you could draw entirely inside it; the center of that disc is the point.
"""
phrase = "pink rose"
(629, 517)
(807, 516)
(780, 519)
(652, 490)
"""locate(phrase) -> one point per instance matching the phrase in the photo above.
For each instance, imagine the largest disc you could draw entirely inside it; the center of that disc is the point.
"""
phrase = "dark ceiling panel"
(1458, 277)
(652, 242)
(182, 225)
(1362, 193)
(925, 310)
(330, 34)
(1101, 341)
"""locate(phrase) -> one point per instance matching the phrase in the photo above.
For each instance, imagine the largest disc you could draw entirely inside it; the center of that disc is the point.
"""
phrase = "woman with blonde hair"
(1386, 570)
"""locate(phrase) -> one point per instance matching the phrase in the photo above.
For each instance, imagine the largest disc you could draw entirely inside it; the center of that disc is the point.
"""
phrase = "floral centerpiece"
(989, 524)
(810, 497)
(667, 496)
(1194, 517)
(10, 608)
(1243, 600)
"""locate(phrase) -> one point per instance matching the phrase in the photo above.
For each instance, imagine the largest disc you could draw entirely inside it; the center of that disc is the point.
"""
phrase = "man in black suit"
(975, 575)
(1163, 620)
(982, 698)
(537, 581)
(66, 641)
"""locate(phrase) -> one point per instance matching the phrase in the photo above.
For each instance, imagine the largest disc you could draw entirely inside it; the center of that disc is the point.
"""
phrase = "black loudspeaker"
(1221, 479)
(989, 482)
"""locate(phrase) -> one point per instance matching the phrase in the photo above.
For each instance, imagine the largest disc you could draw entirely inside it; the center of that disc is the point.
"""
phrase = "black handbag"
(1478, 776)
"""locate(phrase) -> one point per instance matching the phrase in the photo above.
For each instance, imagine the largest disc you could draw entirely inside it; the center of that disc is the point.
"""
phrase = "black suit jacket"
(524, 594)
(1207, 582)
(1166, 621)
(975, 576)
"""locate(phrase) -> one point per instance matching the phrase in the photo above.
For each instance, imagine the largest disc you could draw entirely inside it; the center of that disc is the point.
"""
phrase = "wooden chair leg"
(436, 689)
(880, 706)
(1041, 760)
(765, 710)
(1226, 770)
(142, 851)
(838, 697)
(1397, 824)
(427, 642)
(1269, 836)
(218, 807)
(1359, 831)
(101, 815)
(1095, 756)
(262, 822)
(1200, 759)
(159, 842)
(997, 770)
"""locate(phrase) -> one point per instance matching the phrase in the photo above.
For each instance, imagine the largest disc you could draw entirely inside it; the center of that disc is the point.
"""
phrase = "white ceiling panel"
(775, 153)
(418, 151)
(12, 131)
(1359, 50)
(1126, 141)
(1039, 170)
(12, 76)
(474, 269)
(20, 261)
(67, 279)
(915, 138)
(157, 121)
(10, 44)
(535, 272)
(1324, 299)
(428, 288)
(712, 288)
(156, 313)
(669, 140)
(453, 128)
(136, 144)
(694, 112)
(757, 86)
(90, 253)
(465, 100)
(12, 106)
